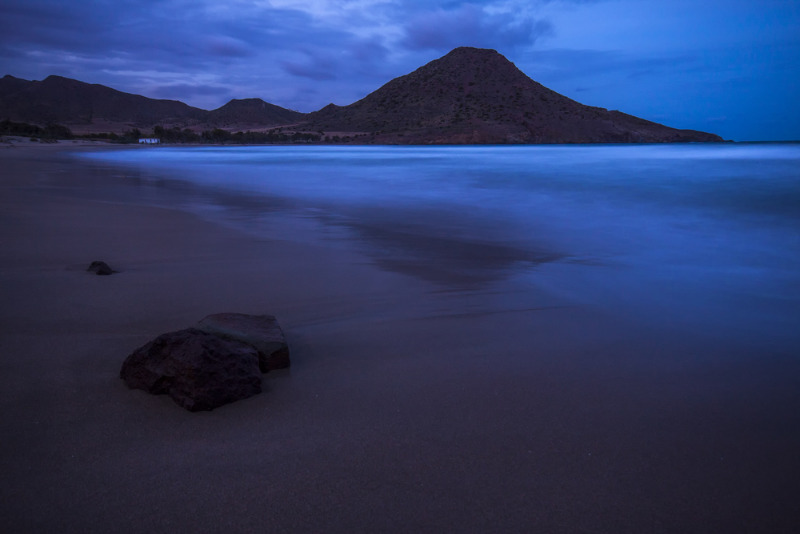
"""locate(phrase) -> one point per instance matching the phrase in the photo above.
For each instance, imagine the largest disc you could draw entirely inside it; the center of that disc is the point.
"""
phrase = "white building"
(149, 140)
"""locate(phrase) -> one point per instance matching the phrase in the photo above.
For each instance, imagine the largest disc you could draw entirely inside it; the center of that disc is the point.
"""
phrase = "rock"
(200, 371)
(260, 331)
(100, 267)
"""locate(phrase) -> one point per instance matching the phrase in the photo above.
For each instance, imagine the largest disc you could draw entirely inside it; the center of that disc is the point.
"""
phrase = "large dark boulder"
(101, 268)
(200, 371)
(260, 331)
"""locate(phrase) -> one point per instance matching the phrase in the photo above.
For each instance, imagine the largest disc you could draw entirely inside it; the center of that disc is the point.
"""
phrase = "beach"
(407, 408)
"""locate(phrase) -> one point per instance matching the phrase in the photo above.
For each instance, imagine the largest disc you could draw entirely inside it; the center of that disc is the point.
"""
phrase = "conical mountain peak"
(476, 95)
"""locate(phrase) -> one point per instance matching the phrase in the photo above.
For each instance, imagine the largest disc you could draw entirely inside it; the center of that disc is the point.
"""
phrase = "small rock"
(260, 331)
(200, 371)
(100, 267)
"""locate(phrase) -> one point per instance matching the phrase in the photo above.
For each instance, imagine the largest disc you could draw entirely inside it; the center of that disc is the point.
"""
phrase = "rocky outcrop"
(259, 331)
(101, 268)
(199, 371)
(217, 362)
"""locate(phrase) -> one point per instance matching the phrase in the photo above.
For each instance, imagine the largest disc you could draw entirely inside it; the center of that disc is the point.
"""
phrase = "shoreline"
(10, 140)
(406, 408)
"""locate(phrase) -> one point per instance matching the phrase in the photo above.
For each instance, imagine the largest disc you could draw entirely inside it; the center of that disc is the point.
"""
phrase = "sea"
(702, 237)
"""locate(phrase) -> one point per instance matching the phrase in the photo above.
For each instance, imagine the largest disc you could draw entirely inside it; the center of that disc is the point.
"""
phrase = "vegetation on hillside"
(165, 135)
(51, 131)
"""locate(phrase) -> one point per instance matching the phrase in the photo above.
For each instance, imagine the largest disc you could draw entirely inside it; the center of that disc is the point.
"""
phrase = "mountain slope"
(477, 96)
(81, 105)
(67, 101)
(253, 111)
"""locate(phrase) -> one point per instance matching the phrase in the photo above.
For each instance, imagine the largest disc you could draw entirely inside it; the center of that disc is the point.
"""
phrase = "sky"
(731, 67)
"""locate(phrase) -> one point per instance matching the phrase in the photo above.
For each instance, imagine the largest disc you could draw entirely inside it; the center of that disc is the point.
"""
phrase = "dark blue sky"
(726, 66)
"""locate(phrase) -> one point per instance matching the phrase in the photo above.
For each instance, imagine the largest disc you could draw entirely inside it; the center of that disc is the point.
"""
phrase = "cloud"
(311, 69)
(49, 25)
(179, 91)
(368, 51)
(225, 46)
(471, 25)
(352, 58)
(559, 65)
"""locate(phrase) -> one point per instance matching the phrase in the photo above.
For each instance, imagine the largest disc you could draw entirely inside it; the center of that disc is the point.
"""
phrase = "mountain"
(476, 95)
(65, 101)
(91, 107)
(253, 111)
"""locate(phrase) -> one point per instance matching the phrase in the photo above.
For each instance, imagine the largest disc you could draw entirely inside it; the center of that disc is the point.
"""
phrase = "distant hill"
(253, 111)
(71, 102)
(92, 107)
(470, 95)
(476, 95)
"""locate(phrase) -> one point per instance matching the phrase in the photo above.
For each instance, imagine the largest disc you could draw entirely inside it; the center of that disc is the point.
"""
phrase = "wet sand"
(407, 408)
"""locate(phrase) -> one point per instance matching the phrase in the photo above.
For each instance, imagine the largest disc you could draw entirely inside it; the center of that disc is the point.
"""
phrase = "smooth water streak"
(707, 233)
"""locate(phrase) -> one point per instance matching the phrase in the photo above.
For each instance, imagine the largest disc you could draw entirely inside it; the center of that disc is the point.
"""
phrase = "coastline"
(404, 410)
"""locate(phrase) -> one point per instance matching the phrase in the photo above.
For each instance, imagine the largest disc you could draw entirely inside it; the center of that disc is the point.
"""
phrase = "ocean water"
(705, 237)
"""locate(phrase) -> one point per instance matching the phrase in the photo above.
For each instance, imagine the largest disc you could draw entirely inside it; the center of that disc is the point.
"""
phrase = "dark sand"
(407, 408)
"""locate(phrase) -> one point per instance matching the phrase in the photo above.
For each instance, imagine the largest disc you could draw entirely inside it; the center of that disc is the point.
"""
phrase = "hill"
(476, 95)
(252, 112)
(77, 104)
(85, 107)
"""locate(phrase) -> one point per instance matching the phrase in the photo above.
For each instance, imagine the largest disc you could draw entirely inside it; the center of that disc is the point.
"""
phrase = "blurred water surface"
(705, 236)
